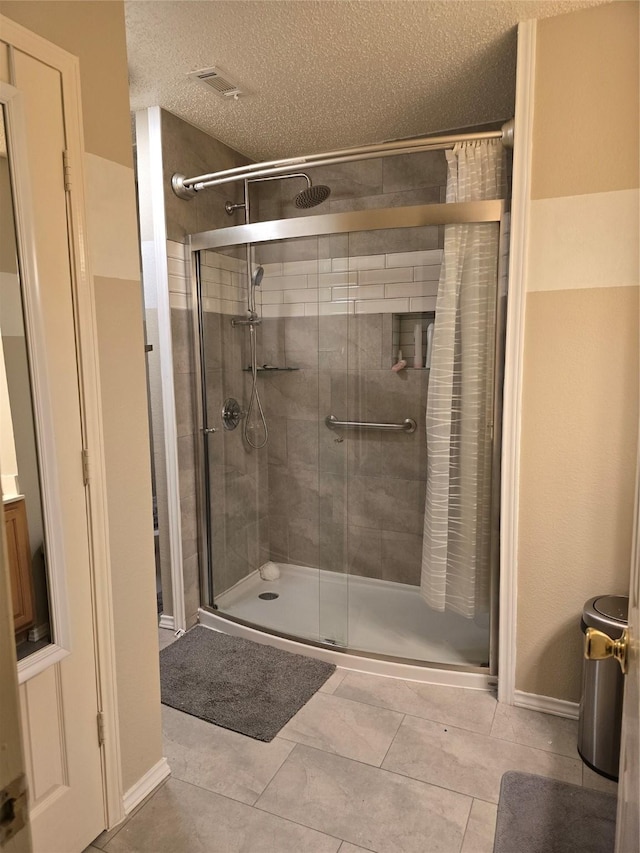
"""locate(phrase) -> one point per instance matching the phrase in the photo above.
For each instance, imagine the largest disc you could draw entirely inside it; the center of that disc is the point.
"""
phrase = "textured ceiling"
(327, 74)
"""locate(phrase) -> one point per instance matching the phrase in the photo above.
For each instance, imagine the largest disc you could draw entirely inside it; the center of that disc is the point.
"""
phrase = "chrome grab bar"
(407, 425)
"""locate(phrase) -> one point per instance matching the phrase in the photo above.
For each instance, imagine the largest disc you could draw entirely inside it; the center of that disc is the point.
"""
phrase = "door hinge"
(86, 470)
(66, 171)
(101, 735)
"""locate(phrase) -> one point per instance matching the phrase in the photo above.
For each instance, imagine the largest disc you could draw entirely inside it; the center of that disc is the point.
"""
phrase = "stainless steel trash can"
(602, 689)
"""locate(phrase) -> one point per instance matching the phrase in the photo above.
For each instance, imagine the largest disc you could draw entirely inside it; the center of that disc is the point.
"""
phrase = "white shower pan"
(365, 615)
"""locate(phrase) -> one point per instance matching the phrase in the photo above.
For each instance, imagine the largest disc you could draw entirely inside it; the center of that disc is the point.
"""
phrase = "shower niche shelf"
(268, 369)
(403, 336)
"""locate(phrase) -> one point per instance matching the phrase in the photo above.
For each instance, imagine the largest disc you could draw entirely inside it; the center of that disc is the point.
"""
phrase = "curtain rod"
(186, 188)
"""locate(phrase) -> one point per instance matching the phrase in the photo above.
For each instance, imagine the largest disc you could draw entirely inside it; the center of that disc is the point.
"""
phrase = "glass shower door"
(233, 515)
(274, 558)
(391, 281)
(306, 475)
(320, 533)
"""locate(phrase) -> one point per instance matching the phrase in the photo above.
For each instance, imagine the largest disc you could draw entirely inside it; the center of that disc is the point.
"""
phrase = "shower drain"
(268, 596)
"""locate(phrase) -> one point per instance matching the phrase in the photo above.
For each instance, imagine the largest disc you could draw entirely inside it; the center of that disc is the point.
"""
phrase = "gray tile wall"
(346, 501)
(190, 151)
(238, 473)
(386, 182)
(340, 500)
(184, 384)
(343, 500)
(406, 179)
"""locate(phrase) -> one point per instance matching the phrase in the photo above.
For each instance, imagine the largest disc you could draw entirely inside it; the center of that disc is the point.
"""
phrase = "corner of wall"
(580, 359)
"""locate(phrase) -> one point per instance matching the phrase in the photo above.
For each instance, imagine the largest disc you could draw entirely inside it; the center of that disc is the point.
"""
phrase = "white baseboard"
(146, 785)
(546, 704)
(167, 622)
(39, 632)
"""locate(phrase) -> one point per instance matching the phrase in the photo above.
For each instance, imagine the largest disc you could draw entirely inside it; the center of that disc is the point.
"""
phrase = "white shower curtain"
(455, 556)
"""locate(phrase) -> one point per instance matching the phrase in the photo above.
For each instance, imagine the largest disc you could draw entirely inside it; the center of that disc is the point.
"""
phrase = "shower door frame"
(458, 213)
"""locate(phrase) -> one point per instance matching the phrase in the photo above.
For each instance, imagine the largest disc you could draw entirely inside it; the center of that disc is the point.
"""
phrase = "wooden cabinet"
(15, 518)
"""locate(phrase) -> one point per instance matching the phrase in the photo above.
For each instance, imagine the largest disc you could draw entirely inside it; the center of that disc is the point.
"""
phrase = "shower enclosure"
(312, 449)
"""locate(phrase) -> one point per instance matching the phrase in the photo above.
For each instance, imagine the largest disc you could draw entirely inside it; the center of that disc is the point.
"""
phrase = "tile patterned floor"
(368, 764)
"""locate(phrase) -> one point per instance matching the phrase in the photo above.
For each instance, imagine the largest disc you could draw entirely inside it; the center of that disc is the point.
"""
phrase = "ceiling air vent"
(215, 79)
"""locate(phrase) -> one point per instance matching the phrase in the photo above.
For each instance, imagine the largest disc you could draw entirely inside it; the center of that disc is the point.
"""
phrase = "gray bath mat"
(238, 684)
(540, 815)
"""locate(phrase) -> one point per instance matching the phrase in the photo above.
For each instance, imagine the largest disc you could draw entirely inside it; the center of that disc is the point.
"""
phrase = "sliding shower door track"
(348, 658)
(415, 216)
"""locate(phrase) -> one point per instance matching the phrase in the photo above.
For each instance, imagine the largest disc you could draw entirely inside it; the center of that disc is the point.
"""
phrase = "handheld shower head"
(256, 278)
(312, 195)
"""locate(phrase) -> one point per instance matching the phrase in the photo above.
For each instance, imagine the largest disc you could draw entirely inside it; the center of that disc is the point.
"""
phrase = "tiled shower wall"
(339, 499)
(368, 284)
(237, 473)
(406, 179)
(342, 500)
(348, 500)
(187, 150)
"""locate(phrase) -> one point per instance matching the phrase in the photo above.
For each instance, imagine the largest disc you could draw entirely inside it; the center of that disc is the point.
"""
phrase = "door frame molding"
(628, 808)
(155, 282)
(514, 362)
(68, 66)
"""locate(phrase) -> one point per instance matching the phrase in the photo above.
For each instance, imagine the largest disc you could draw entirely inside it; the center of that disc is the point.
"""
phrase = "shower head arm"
(281, 178)
(231, 208)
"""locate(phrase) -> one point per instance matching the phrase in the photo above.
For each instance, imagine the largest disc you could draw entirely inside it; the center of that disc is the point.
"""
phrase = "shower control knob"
(231, 413)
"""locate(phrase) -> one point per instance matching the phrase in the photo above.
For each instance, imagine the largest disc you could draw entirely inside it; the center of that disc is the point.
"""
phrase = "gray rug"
(238, 684)
(540, 815)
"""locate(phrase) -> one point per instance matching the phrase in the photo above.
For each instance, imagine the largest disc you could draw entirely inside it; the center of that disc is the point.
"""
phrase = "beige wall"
(120, 336)
(580, 388)
(95, 33)
(585, 135)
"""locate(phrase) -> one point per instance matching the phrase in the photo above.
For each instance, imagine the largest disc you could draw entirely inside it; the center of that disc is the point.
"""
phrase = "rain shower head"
(312, 195)
(309, 197)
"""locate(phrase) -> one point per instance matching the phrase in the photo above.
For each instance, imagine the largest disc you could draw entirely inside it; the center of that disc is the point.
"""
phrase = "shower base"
(362, 614)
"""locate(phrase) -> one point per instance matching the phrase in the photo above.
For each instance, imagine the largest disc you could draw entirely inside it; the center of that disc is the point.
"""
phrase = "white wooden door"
(628, 819)
(59, 687)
